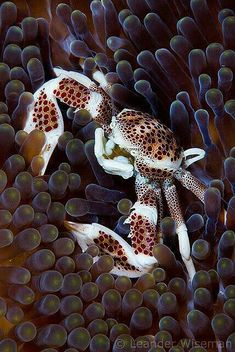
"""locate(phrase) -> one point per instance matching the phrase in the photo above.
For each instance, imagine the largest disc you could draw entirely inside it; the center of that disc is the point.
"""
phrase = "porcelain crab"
(128, 143)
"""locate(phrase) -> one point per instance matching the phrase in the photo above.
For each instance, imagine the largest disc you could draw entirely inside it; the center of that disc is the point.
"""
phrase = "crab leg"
(191, 183)
(158, 192)
(198, 155)
(181, 229)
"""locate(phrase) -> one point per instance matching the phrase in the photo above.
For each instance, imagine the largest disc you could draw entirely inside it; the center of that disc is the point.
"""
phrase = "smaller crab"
(132, 143)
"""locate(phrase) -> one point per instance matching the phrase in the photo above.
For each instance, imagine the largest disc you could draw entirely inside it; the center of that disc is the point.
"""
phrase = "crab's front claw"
(44, 115)
(130, 260)
(126, 262)
(118, 165)
(74, 90)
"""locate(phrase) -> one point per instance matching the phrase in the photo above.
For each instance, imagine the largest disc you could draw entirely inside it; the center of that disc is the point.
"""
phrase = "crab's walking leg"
(175, 210)
(160, 208)
(191, 183)
(194, 185)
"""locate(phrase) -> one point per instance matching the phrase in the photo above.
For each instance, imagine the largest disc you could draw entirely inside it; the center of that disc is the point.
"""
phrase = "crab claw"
(44, 114)
(75, 90)
(119, 165)
(126, 261)
(130, 260)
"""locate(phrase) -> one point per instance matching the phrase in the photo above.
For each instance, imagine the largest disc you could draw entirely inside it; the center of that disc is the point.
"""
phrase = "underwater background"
(174, 59)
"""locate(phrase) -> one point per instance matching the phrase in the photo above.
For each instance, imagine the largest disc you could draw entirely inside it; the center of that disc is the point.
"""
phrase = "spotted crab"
(127, 143)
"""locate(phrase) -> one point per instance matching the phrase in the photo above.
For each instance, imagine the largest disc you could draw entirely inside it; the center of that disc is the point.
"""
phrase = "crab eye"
(113, 122)
(134, 152)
